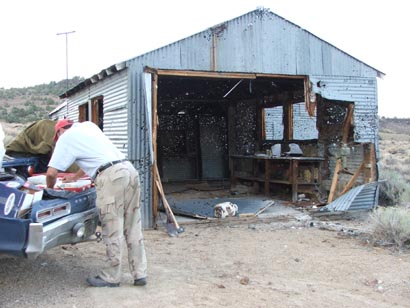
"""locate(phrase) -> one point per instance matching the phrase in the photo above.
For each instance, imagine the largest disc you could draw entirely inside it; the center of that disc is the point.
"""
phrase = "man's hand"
(73, 177)
(69, 178)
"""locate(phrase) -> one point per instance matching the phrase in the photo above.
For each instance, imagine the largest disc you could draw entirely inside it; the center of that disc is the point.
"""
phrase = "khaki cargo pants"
(118, 197)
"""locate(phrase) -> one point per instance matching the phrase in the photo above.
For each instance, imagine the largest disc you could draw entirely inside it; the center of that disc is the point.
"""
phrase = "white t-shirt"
(86, 145)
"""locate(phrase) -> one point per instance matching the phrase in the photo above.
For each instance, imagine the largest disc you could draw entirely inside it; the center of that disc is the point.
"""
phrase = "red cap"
(60, 124)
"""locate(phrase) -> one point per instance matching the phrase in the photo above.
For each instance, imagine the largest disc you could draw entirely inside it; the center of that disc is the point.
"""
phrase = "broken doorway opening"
(201, 119)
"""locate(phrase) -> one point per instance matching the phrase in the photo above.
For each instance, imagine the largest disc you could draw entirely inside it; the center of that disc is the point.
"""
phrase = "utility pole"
(66, 58)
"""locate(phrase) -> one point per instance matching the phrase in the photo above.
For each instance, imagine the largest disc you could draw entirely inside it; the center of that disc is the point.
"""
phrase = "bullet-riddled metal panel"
(258, 42)
(193, 53)
(304, 126)
(265, 42)
(274, 123)
(362, 92)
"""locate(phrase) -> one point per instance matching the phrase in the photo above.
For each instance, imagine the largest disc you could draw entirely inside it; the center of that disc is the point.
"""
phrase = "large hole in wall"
(201, 121)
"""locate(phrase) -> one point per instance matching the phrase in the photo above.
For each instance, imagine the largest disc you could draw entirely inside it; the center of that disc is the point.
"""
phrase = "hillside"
(394, 126)
(394, 141)
(24, 105)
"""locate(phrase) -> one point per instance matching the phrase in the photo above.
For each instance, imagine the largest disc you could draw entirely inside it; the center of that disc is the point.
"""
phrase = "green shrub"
(395, 189)
(391, 227)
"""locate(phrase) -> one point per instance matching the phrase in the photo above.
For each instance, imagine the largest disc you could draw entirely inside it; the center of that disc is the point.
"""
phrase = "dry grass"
(391, 227)
(394, 145)
(393, 190)
(391, 135)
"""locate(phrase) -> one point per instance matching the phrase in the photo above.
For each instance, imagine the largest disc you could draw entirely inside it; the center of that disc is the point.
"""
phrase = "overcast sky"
(109, 32)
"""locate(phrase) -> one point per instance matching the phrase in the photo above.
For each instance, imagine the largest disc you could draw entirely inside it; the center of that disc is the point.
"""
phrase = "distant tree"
(50, 101)
(39, 100)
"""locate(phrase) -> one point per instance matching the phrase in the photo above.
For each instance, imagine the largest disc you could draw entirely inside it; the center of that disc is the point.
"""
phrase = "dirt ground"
(283, 261)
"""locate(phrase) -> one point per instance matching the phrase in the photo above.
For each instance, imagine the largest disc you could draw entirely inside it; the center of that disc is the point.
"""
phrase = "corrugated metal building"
(190, 105)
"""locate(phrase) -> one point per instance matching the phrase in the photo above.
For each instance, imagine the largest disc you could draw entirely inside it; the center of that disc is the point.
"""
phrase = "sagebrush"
(391, 227)
(394, 189)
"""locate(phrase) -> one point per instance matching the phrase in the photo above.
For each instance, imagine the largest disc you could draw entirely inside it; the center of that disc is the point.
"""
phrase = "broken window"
(93, 111)
(302, 125)
(332, 115)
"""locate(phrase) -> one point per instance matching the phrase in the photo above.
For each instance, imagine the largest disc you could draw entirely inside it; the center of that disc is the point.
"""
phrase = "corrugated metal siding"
(361, 91)
(258, 42)
(274, 123)
(124, 123)
(114, 90)
(304, 125)
(364, 197)
(139, 146)
(115, 127)
(59, 113)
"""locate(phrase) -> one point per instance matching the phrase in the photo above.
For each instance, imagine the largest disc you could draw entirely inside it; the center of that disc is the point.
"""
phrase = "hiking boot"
(97, 281)
(140, 282)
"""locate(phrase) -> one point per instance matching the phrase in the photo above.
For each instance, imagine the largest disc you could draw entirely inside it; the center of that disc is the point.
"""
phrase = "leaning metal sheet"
(204, 208)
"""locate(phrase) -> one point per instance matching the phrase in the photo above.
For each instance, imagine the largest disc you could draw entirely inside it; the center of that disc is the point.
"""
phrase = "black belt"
(108, 165)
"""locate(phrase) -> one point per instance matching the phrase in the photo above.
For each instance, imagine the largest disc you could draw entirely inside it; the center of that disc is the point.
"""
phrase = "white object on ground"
(224, 209)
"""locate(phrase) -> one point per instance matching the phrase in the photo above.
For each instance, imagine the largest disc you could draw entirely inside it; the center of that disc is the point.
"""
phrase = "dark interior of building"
(204, 120)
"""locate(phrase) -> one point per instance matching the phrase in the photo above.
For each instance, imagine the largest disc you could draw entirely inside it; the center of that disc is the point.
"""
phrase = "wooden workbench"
(293, 171)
